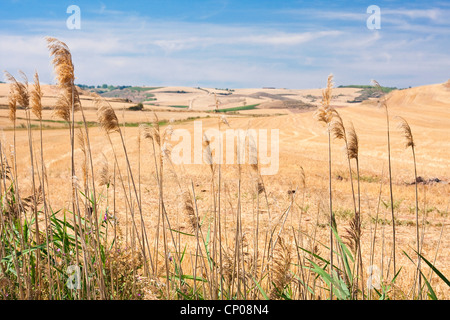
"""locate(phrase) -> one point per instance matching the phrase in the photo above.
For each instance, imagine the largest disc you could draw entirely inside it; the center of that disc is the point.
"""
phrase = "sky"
(232, 43)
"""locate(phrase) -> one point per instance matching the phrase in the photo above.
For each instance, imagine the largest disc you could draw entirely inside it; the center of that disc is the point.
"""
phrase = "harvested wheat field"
(101, 200)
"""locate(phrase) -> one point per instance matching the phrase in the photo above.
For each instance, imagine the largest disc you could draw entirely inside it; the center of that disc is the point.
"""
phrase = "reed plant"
(237, 241)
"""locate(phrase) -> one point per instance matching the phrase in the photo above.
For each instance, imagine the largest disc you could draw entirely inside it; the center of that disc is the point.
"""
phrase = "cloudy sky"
(232, 43)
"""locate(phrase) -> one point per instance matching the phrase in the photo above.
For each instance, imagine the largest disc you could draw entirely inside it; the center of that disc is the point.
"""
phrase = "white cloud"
(134, 50)
(432, 14)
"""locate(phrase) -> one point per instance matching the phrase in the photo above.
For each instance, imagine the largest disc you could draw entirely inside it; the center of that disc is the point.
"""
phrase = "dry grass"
(209, 232)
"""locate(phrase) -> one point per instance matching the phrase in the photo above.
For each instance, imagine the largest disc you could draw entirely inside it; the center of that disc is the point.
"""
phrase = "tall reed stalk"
(384, 104)
(325, 115)
(409, 142)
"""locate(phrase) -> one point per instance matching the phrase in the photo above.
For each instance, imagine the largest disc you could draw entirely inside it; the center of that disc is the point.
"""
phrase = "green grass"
(342, 175)
(180, 107)
(91, 124)
(345, 214)
(137, 124)
(143, 88)
(359, 86)
(249, 107)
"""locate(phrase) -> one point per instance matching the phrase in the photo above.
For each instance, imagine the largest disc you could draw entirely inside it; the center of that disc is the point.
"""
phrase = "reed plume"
(302, 178)
(12, 103)
(69, 99)
(19, 92)
(338, 129)
(280, 269)
(153, 132)
(352, 151)
(407, 133)
(208, 153)
(36, 97)
(354, 233)
(146, 131)
(62, 107)
(156, 130)
(324, 114)
(62, 61)
(32, 201)
(326, 94)
(106, 116)
(105, 174)
(353, 143)
(190, 212)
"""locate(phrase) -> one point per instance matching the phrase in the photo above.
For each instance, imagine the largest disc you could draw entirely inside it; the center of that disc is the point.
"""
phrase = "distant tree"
(138, 107)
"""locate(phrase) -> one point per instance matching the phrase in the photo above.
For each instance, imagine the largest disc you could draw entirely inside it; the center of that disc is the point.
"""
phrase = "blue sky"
(234, 44)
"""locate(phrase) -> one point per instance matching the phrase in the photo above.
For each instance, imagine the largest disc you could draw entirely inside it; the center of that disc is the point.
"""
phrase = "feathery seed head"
(208, 152)
(36, 97)
(353, 233)
(382, 102)
(337, 126)
(280, 269)
(105, 175)
(64, 69)
(62, 61)
(325, 112)
(156, 130)
(302, 177)
(326, 94)
(407, 133)
(190, 212)
(145, 131)
(12, 103)
(324, 115)
(19, 89)
(353, 143)
(107, 118)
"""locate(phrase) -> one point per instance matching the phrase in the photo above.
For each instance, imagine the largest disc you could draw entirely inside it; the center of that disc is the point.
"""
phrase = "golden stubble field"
(303, 143)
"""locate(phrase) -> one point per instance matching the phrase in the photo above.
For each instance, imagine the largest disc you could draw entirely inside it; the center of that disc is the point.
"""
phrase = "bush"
(138, 107)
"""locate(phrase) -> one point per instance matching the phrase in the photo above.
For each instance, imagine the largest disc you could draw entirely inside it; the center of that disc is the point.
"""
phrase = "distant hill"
(422, 97)
(367, 92)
